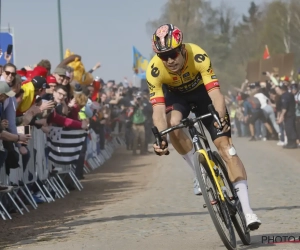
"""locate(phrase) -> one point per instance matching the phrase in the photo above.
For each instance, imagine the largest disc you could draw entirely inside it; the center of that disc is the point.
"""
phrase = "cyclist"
(180, 74)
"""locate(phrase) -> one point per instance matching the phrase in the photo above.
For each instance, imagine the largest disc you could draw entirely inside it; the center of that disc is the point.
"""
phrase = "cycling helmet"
(166, 37)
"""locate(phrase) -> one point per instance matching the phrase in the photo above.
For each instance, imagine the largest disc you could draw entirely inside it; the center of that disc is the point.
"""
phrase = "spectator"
(60, 75)
(138, 124)
(254, 111)
(288, 116)
(36, 87)
(296, 93)
(268, 110)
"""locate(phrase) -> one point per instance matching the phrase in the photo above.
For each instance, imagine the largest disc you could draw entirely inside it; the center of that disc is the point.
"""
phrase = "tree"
(184, 14)
(232, 45)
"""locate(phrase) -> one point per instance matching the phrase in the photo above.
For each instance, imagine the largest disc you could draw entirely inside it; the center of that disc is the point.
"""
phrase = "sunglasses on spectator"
(173, 54)
(10, 73)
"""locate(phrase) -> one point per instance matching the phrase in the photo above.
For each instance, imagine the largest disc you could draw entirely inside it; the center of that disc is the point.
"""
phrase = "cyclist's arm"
(159, 117)
(154, 77)
(218, 101)
(211, 83)
(157, 100)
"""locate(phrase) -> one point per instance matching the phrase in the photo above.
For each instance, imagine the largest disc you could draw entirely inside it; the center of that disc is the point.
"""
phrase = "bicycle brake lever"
(158, 138)
(215, 114)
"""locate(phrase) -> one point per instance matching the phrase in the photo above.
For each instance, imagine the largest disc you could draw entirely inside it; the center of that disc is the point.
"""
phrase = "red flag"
(266, 53)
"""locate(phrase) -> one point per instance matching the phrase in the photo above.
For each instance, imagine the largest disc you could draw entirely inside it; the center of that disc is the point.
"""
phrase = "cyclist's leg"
(177, 109)
(235, 167)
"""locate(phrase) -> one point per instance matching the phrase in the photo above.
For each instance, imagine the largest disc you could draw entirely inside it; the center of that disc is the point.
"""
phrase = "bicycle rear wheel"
(238, 218)
(216, 207)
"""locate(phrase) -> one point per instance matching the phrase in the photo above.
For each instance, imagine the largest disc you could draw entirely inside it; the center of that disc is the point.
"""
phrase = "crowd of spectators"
(268, 110)
(42, 97)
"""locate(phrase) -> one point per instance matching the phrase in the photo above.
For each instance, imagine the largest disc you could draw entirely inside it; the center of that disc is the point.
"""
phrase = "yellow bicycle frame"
(218, 180)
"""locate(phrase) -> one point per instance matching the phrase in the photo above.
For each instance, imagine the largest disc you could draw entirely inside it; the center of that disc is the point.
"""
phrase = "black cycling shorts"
(181, 102)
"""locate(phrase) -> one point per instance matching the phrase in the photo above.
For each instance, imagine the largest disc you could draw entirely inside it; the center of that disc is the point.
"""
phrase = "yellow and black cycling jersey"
(196, 71)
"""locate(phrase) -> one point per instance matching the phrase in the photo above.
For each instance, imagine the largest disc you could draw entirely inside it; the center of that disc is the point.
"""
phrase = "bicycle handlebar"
(185, 123)
(158, 138)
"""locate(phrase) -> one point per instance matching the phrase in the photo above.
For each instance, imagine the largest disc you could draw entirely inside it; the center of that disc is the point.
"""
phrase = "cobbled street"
(154, 208)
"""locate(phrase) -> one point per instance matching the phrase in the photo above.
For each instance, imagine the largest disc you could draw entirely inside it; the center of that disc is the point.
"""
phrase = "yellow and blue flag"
(140, 63)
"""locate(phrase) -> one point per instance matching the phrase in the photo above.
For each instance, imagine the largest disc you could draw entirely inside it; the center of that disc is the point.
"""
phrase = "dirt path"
(118, 179)
(147, 203)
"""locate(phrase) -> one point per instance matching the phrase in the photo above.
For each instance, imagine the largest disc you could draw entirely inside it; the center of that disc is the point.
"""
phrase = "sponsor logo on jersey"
(155, 71)
(186, 87)
(150, 86)
(199, 58)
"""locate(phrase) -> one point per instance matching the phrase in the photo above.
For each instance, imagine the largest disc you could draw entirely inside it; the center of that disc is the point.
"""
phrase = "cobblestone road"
(166, 215)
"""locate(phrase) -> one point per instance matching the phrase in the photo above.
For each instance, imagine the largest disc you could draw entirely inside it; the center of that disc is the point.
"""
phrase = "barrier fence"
(47, 176)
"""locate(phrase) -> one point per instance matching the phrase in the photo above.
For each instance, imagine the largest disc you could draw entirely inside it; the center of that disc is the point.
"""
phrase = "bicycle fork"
(217, 179)
(222, 190)
(216, 176)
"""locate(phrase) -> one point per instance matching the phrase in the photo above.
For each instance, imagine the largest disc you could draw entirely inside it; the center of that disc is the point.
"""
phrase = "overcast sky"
(98, 30)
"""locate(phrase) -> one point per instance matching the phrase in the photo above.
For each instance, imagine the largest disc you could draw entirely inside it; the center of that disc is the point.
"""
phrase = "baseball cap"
(60, 71)
(51, 79)
(5, 89)
(283, 86)
(39, 82)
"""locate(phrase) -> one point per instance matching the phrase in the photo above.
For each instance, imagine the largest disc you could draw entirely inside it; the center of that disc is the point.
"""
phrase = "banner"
(6, 38)
(281, 64)
(65, 145)
(140, 63)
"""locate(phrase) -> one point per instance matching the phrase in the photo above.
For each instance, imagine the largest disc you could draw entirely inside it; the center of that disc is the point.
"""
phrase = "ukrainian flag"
(140, 63)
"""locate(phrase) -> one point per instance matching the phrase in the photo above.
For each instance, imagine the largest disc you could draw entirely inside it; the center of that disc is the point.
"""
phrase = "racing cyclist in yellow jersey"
(178, 75)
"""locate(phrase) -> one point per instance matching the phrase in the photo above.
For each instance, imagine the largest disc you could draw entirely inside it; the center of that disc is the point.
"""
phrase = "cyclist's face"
(173, 60)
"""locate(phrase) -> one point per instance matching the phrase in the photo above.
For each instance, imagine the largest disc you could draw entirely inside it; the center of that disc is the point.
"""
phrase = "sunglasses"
(10, 73)
(173, 54)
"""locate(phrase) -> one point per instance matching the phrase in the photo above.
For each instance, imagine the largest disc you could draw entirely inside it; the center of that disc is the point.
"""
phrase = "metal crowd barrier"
(39, 172)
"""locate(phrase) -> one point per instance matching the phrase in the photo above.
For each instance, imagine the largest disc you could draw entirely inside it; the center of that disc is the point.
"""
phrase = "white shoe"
(281, 143)
(197, 189)
(252, 221)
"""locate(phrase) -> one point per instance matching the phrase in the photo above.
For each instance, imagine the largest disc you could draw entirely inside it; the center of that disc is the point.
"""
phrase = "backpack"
(255, 103)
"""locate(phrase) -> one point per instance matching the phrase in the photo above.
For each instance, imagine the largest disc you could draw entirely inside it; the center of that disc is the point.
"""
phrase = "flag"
(65, 144)
(266, 53)
(140, 63)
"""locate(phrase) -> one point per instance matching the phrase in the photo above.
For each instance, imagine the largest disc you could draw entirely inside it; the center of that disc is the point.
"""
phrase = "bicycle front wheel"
(216, 207)
(238, 218)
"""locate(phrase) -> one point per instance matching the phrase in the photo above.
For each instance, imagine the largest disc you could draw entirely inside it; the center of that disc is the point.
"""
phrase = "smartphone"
(21, 129)
(9, 49)
(27, 130)
(24, 130)
(37, 100)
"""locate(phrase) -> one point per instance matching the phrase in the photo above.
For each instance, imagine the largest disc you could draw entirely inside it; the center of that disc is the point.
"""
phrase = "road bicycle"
(218, 192)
